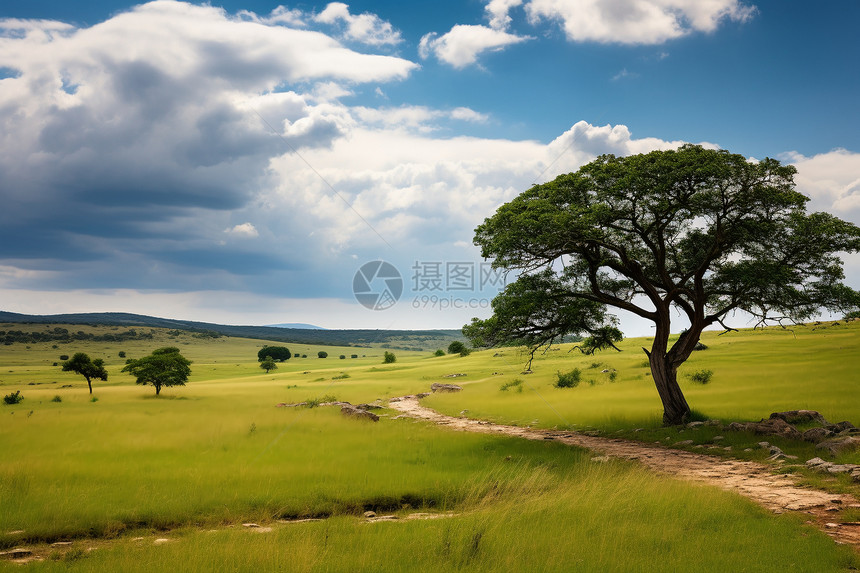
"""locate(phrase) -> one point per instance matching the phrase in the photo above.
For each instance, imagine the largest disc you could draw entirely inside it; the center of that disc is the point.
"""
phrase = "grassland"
(193, 465)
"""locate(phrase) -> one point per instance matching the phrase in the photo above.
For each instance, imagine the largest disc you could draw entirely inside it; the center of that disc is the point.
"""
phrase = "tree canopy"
(276, 353)
(89, 369)
(702, 232)
(165, 367)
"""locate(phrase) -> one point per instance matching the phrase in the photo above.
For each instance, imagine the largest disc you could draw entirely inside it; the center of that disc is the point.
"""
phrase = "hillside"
(398, 339)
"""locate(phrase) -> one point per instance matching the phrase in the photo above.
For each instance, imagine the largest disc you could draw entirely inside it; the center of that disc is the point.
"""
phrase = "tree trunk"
(675, 408)
(157, 389)
(90, 384)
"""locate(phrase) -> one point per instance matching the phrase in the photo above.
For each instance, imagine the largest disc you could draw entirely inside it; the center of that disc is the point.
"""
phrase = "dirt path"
(778, 493)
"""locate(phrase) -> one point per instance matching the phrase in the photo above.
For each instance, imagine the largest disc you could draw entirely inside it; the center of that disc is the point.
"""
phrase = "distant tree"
(353, 356)
(64, 357)
(322, 354)
(89, 369)
(276, 353)
(389, 358)
(165, 367)
(694, 232)
(343, 356)
(122, 353)
(456, 347)
(268, 364)
(439, 352)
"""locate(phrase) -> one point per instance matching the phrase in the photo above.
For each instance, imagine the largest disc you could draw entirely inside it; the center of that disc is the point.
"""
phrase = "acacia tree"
(164, 367)
(89, 369)
(700, 232)
(268, 363)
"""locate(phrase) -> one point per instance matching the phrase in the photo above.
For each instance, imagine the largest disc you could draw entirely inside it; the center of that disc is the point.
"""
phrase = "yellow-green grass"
(603, 518)
(755, 373)
(218, 452)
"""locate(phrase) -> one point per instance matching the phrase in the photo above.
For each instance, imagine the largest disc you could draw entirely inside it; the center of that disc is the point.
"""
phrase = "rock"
(815, 462)
(695, 424)
(718, 438)
(840, 468)
(369, 407)
(17, 553)
(422, 395)
(800, 417)
(684, 443)
(713, 423)
(775, 427)
(764, 444)
(161, 540)
(839, 445)
(354, 412)
(250, 525)
(369, 514)
(816, 435)
(436, 387)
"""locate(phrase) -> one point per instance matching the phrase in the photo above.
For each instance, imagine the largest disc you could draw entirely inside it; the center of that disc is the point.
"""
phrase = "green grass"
(217, 452)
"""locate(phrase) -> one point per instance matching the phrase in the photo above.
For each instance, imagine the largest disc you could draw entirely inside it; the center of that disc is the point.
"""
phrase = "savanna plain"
(215, 476)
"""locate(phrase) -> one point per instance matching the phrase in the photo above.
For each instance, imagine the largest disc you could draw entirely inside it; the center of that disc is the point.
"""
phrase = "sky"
(242, 162)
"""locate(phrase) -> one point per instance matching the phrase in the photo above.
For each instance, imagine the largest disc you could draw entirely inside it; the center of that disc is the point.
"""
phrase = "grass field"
(196, 463)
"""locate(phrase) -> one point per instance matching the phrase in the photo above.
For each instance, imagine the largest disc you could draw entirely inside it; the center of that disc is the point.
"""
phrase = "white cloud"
(636, 21)
(498, 12)
(463, 44)
(243, 230)
(831, 180)
(422, 118)
(365, 28)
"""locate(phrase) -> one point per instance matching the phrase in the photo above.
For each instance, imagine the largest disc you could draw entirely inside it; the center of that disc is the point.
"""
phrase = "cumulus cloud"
(636, 21)
(365, 28)
(498, 12)
(463, 44)
(831, 180)
(135, 138)
(243, 230)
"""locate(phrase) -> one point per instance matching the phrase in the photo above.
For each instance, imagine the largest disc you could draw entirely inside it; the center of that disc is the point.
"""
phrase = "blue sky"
(239, 161)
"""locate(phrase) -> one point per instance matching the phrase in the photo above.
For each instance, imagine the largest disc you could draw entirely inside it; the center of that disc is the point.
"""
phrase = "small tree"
(163, 368)
(439, 352)
(89, 369)
(268, 364)
(276, 353)
(389, 358)
(322, 354)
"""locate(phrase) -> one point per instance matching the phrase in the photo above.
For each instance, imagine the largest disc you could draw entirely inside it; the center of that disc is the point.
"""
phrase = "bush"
(121, 354)
(439, 352)
(276, 353)
(568, 379)
(14, 398)
(701, 376)
(515, 383)
(456, 347)
(64, 356)
(322, 354)
(343, 356)
(57, 398)
(304, 355)
(389, 358)
(353, 355)
(852, 314)
(341, 376)
(700, 346)
(314, 402)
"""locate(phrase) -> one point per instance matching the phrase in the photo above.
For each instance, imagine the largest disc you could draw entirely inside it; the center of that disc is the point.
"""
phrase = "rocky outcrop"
(356, 412)
(801, 417)
(769, 427)
(840, 445)
(436, 387)
(829, 467)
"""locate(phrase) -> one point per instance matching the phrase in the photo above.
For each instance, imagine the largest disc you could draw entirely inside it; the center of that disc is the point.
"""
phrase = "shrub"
(343, 356)
(353, 355)
(121, 354)
(456, 347)
(701, 376)
(852, 314)
(341, 376)
(64, 356)
(276, 353)
(700, 346)
(94, 399)
(57, 398)
(13, 398)
(568, 379)
(322, 354)
(389, 358)
(304, 355)
(314, 402)
(613, 375)
(439, 352)
(515, 383)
